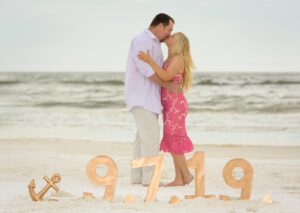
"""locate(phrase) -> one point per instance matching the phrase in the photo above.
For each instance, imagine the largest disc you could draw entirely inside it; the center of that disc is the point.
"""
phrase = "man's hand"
(173, 86)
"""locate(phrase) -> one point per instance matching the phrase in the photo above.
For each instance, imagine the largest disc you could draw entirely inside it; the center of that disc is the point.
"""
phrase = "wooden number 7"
(197, 163)
(158, 162)
(245, 183)
(109, 181)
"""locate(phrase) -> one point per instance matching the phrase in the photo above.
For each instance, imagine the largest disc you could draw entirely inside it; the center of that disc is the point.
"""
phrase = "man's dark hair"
(161, 18)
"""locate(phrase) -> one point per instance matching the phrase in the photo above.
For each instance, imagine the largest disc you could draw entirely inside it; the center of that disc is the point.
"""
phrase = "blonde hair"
(182, 47)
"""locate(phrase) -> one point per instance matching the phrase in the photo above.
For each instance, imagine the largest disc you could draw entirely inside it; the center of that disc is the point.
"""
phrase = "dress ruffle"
(176, 144)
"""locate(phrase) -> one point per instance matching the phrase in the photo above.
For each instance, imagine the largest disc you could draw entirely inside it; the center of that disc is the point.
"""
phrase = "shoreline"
(261, 151)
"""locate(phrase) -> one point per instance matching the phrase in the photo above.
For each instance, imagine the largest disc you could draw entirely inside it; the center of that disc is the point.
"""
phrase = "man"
(142, 92)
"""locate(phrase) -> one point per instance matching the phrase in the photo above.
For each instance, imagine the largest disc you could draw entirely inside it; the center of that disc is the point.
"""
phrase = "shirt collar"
(151, 35)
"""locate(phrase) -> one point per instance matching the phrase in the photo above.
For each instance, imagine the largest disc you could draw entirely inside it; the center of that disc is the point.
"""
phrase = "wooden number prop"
(109, 181)
(245, 183)
(158, 162)
(129, 198)
(174, 199)
(197, 163)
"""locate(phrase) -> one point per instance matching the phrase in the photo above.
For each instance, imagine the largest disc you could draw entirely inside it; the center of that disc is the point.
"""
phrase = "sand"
(276, 172)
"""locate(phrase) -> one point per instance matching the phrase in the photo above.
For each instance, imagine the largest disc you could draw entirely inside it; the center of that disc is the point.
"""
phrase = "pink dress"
(175, 107)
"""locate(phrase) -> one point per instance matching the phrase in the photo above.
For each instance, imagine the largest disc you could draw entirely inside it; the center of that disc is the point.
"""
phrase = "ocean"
(224, 108)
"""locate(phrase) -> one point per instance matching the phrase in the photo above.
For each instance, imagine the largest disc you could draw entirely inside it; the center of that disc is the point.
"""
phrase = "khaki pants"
(146, 143)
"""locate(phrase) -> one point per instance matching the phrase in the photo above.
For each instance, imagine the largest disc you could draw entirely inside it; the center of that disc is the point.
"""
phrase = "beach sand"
(276, 172)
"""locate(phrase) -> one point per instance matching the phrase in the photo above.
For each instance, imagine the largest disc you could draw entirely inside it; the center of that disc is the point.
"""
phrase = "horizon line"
(119, 71)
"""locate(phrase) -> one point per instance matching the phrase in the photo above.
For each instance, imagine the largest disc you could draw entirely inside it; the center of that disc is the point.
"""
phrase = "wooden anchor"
(50, 184)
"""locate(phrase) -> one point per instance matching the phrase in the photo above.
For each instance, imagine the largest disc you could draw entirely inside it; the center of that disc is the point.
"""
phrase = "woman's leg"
(178, 177)
(182, 165)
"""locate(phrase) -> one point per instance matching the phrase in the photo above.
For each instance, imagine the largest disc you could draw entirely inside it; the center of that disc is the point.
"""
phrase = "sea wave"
(211, 82)
(106, 90)
(201, 106)
(85, 104)
(275, 108)
(6, 82)
(94, 82)
(117, 79)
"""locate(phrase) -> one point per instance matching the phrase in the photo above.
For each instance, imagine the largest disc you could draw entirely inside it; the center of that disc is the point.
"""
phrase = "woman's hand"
(146, 57)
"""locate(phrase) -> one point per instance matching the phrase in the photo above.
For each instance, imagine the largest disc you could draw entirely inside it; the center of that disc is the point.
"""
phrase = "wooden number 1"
(109, 181)
(158, 162)
(245, 183)
(197, 163)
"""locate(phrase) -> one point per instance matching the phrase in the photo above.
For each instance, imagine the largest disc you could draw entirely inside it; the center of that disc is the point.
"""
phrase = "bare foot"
(189, 179)
(174, 183)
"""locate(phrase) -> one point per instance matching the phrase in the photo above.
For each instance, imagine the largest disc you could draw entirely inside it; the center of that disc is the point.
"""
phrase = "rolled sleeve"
(142, 66)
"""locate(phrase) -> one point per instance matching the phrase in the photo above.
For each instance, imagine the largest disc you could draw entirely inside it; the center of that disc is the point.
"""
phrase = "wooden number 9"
(245, 183)
(158, 162)
(109, 181)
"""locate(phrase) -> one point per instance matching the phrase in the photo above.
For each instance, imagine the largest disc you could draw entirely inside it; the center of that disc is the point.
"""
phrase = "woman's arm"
(175, 66)
(157, 80)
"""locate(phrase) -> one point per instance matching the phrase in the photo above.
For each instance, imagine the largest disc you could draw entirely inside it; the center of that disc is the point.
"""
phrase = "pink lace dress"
(175, 107)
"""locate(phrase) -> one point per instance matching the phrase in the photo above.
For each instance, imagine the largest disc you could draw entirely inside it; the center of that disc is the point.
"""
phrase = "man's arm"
(174, 86)
(137, 45)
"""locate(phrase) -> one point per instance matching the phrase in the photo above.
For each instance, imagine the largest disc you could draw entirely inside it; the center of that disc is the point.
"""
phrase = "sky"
(94, 35)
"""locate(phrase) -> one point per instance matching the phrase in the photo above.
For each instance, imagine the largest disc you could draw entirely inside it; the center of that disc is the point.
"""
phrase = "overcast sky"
(94, 35)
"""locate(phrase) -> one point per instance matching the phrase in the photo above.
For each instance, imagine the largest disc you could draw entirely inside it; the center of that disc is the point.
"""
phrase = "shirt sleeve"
(143, 67)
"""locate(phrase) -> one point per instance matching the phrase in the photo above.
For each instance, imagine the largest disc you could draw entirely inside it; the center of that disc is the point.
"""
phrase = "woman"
(177, 67)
